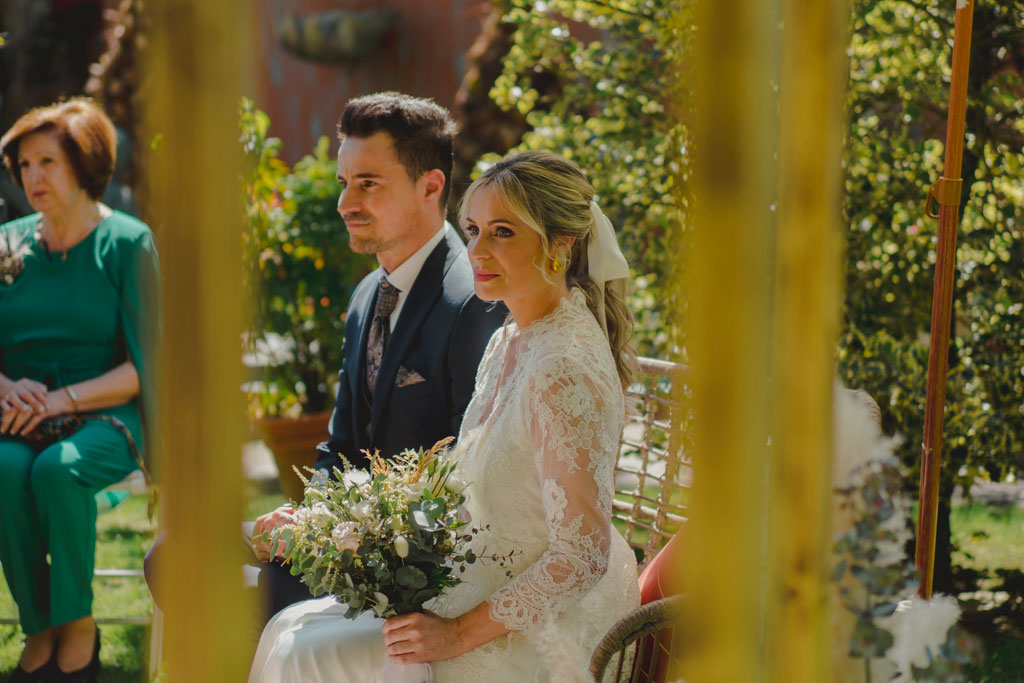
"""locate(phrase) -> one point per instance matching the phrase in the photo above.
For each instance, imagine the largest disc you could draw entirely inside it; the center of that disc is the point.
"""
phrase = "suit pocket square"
(407, 377)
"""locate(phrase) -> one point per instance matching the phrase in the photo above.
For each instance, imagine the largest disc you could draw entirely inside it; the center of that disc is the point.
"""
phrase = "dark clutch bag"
(51, 430)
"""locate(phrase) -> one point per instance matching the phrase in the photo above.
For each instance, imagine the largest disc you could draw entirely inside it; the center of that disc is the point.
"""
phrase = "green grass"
(123, 535)
(989, 541)
(988, 536)
(260, 503)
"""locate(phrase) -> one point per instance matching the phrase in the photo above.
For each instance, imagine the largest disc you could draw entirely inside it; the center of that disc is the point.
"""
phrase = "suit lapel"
(425, 291)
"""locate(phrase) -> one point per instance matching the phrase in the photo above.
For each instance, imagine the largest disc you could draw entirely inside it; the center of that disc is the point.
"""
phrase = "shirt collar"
(403, 277)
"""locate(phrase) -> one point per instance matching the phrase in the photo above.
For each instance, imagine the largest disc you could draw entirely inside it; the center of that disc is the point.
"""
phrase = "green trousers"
(48, 506)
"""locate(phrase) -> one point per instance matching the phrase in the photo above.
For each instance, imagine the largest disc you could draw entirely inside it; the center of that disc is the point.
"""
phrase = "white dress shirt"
(403, 277)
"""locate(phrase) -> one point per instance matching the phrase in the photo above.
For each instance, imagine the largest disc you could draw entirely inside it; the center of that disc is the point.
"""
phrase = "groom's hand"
(265, 524)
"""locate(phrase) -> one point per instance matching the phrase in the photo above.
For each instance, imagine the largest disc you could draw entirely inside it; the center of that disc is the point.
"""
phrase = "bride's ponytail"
(611, 301)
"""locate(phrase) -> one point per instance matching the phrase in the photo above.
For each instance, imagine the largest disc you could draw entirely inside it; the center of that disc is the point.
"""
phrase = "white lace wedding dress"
(538, 444)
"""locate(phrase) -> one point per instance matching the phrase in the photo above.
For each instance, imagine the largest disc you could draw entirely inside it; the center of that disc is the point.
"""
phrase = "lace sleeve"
(573, 429)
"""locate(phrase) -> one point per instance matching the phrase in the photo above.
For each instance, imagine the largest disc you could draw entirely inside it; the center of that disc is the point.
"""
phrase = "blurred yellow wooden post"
(805, 319)
(193, 84)
(728, 334)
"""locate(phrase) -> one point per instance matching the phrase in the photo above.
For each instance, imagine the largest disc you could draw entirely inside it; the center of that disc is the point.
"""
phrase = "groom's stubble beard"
(368, 244)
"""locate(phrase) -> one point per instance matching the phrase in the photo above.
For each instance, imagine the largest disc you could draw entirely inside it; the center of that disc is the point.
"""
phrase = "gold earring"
(558, 265)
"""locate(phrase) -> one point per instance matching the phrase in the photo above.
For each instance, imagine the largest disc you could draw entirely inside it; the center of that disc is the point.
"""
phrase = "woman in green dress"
(78, 317)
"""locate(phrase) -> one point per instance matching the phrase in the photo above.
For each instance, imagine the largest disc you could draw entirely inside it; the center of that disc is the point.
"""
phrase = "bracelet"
(74, 398)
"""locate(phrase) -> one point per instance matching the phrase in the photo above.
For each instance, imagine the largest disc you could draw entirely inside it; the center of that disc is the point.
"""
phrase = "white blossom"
(918, 627)
(345, 536)
(455, 483)
(413, 493)
(361, 510)
(381, 604)
(317, 514)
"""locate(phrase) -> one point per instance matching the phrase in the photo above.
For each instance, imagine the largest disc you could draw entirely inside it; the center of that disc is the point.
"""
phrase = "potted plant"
(299, 276)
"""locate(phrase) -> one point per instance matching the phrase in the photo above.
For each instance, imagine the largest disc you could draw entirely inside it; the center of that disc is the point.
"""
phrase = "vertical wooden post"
(946, 192)
(728, 335)
(193, 85)
(805, 320)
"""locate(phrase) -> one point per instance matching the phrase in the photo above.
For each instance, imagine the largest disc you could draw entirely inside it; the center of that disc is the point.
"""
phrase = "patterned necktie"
(380, 330)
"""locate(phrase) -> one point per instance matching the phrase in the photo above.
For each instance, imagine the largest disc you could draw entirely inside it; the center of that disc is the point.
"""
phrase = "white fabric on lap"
(312, 642)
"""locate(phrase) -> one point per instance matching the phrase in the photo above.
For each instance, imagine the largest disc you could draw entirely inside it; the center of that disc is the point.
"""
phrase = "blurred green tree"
(597, 82)
(900, 54)
(299, 274)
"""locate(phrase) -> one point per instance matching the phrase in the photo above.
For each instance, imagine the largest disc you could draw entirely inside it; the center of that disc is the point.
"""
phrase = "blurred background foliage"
(597, 82)
(300, 274)
(900, 54)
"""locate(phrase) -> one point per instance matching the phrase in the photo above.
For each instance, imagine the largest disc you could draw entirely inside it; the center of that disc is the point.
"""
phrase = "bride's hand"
(423, 637)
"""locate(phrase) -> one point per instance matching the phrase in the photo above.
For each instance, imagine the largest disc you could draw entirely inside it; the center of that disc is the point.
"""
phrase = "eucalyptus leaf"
(423, 520)
(411, 577)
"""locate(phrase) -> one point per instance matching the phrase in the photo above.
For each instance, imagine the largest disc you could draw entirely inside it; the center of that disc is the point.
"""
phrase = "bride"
(538, 444)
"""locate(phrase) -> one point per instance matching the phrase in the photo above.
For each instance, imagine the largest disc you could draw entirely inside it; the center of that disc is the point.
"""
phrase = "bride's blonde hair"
(552, 195)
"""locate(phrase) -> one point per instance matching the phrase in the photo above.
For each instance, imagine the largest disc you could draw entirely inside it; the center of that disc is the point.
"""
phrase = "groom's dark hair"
(421, 130)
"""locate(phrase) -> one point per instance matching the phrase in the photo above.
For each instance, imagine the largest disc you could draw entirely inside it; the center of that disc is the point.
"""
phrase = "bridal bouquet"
(388, 541)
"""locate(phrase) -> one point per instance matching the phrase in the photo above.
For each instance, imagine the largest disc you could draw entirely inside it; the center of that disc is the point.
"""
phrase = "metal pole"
(946, 193)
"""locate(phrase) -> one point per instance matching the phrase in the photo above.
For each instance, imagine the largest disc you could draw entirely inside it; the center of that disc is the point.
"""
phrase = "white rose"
(320, 514)
(401, 546)
(360, 510)
(345, 537)
(356, 478)
(455, 483)
(413, 493)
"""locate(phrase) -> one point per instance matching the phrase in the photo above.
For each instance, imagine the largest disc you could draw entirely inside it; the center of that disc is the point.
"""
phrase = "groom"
(414, 331)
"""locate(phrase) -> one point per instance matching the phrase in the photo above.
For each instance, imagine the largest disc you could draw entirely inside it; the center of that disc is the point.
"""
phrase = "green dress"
(67, 318)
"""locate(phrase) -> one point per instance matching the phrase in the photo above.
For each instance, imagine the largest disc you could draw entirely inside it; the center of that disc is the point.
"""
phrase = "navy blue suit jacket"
(441, 334)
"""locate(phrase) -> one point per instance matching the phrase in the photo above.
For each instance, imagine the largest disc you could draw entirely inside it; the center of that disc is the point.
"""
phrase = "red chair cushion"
(659, 579)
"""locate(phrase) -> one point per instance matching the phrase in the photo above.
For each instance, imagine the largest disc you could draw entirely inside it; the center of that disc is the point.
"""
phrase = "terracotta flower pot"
(293, 442)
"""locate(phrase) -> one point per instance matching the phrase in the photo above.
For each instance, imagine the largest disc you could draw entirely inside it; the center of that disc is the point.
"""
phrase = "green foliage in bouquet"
(388, 542)
(299, 276)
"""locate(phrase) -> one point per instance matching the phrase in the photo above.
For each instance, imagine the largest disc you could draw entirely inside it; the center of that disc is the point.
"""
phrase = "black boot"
(43, 674)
